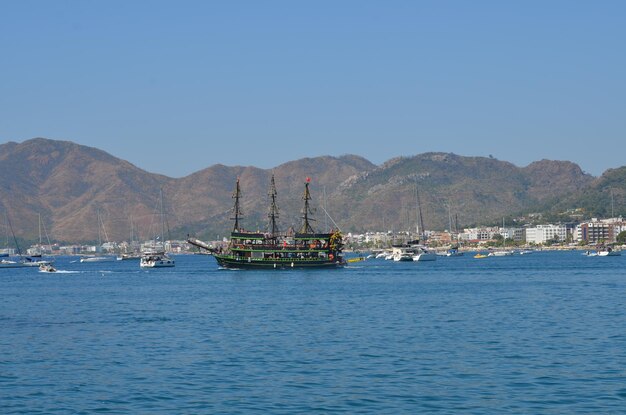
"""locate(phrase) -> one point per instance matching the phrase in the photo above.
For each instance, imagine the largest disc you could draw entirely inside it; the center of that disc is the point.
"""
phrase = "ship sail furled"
(273, 211)
(306, 210)
(236, 208)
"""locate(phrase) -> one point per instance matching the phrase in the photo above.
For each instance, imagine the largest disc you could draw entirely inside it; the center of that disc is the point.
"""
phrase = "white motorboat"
(47, 268)
(96, 259)
(501, 253)
(423, 254)
(608, 251)
(156, 260)
(402, 252)
(127, 257)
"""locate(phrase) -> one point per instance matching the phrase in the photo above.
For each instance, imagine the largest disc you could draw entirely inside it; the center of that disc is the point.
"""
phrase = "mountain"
(70, 185)
(605, 196)
(472, 189)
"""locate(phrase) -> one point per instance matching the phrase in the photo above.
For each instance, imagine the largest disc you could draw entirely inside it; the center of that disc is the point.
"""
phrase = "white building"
(516, 234)
(478, 234)
(543, 233)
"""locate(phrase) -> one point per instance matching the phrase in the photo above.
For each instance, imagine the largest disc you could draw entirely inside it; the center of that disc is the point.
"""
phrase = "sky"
(178, 86)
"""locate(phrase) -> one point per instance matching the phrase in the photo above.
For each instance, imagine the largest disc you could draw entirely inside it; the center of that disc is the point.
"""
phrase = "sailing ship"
(273, 249)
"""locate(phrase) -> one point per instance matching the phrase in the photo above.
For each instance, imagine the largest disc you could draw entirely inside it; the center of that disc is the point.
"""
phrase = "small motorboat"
(96, 259)
(479, 256)
(47, 268)
(356, 259)
(608, 251)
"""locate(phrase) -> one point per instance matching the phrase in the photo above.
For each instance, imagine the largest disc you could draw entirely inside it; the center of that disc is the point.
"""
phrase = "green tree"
(621, 237)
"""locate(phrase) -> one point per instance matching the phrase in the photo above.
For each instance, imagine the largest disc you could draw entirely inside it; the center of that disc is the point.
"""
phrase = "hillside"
(605, 196)
(472, 189)
(69, 184)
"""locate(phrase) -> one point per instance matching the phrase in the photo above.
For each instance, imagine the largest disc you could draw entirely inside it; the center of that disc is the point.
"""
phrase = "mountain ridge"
(69, 184)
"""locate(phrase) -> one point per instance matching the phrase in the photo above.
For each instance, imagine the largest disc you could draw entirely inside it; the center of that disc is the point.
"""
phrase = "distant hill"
(605, 196)
(472, 189)
(69, 184)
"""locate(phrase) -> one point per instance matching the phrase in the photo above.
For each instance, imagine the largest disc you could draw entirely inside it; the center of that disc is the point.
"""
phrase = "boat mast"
(162, 218)
(306, 226)
(132, 231)
(420, 221)
(236, 208)
(325, 211)
(17, 246)
(99, 228)
(273, 212)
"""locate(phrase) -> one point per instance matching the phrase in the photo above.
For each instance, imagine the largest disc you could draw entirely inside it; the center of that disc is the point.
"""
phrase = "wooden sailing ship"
(278, 250)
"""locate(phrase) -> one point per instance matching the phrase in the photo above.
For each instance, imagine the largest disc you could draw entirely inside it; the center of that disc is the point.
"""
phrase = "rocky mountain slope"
(71, 185)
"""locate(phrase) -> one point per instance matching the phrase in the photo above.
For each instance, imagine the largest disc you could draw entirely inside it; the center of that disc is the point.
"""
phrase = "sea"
(543, 333)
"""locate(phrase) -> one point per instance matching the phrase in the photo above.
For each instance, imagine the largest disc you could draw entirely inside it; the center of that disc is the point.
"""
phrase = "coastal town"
(583, 235)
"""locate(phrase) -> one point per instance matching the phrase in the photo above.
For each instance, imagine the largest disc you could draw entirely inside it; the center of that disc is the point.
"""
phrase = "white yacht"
(423, 254)
(500, 253)
(96, 259)
(156, 260)
(402, 252)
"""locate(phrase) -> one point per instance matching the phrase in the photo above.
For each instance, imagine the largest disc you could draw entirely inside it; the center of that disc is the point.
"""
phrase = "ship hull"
(251, 263)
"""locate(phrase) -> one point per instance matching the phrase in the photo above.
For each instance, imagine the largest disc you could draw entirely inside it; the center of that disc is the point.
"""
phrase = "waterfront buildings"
(541, 234)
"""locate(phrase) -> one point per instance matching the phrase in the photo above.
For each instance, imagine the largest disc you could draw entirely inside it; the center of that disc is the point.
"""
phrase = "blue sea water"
(541, 333)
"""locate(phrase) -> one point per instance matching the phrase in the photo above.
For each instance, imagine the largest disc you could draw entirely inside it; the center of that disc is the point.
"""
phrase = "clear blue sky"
(177, 86)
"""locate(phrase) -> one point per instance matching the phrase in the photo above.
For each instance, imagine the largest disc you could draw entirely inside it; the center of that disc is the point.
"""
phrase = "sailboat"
(4, 252)
(22, 262)
(157, 258)
(98, 258)
(37, 250)
(422, 253)
(133, 254)
(503, 251)
(453, 252)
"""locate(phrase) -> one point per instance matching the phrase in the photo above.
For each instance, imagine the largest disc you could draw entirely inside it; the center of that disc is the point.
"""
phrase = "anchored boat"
(278, 250)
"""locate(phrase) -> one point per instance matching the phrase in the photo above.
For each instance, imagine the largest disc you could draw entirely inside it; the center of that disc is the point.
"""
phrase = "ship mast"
(273, 212)
(236, 208)
(420, 219)
(306, 227)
